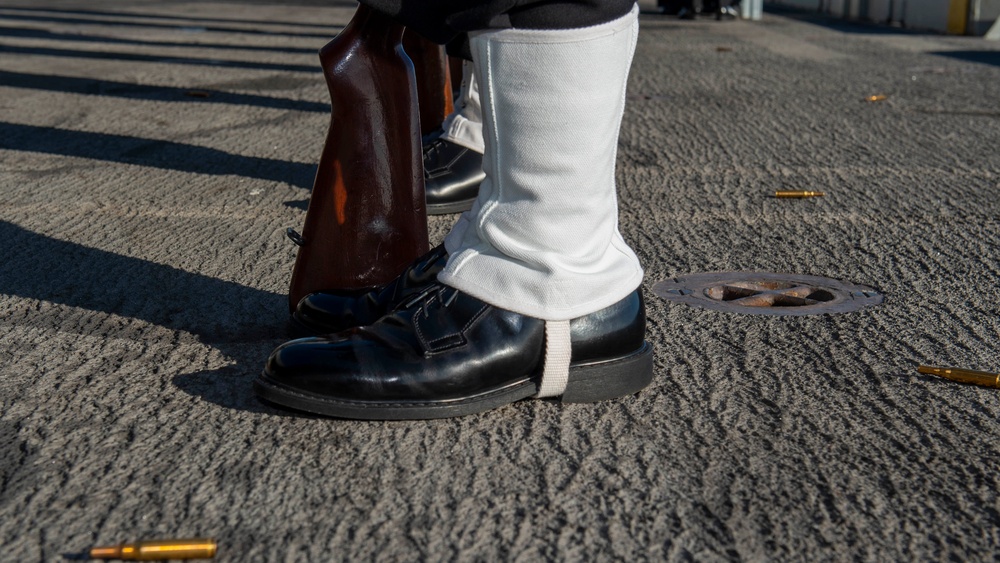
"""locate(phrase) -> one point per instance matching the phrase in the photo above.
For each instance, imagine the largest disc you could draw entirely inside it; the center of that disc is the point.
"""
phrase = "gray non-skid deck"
(144, 266)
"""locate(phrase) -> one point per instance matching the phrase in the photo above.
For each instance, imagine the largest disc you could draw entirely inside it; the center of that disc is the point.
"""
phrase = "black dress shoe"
(446, 353)
(452, 174)
(326, 313)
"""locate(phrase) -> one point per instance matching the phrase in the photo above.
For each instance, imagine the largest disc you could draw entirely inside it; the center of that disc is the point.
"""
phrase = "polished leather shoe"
(327, 312)
(445, 353)
(452, 174)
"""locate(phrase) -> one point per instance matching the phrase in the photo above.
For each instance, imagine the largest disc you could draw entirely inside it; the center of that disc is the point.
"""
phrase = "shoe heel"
(611, 379)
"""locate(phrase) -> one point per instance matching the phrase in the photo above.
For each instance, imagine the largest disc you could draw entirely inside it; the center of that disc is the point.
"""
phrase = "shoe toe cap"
(311, 364)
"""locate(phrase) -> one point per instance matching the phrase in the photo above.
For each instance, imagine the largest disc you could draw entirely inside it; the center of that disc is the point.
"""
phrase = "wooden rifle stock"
(434, 88)
(367, 218)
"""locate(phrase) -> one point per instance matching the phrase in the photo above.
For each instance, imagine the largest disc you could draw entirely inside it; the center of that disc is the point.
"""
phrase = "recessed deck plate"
(767, 293)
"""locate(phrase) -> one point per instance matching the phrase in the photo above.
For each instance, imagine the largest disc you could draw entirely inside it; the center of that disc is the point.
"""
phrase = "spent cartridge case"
(191, 548)
(798, 194)
(983, 378)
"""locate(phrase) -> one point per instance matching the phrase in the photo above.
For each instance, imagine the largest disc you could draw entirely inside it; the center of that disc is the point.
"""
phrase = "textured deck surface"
(144, 266)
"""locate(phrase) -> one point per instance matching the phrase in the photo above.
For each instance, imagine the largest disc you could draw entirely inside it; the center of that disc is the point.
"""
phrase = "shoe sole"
(448, 208)
(588, 383)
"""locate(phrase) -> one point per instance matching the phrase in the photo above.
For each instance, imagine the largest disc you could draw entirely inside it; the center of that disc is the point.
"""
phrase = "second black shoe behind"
(452, 174)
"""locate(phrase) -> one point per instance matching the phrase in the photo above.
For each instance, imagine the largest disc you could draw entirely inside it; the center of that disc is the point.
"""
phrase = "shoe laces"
(431, 259)
(431, 154)
(435, 293)
(433, 147)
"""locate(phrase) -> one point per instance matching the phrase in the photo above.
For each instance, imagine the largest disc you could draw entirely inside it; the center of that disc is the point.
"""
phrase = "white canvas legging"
(464, 126)
(542, 238)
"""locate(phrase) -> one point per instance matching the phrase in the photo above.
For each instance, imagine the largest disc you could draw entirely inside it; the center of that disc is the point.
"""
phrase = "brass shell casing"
(797, 194)
(191, 548)
(983, 378)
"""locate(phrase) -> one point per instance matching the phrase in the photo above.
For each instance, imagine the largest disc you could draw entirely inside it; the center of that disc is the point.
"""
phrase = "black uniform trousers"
(448, 21)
